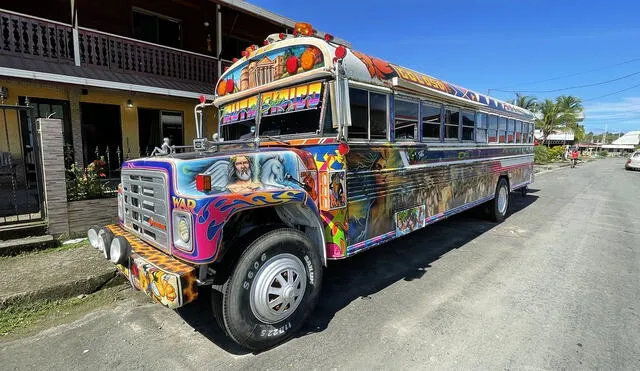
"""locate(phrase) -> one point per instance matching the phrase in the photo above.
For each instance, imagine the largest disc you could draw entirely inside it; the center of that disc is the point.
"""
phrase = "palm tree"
(566, 112)
(525, 101)
(572, 110)
(547, 121)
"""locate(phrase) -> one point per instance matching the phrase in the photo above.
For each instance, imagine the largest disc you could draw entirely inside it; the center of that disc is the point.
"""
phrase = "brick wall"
(55, 187)
(84, 214)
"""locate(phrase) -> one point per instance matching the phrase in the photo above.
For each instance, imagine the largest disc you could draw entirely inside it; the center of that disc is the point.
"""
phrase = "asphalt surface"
(556, 286)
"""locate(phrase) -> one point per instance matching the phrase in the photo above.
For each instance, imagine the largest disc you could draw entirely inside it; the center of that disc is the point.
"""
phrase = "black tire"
(266, 255)
(495, 213)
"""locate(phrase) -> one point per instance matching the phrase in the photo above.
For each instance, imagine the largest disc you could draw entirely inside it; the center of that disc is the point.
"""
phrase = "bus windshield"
(288, 111)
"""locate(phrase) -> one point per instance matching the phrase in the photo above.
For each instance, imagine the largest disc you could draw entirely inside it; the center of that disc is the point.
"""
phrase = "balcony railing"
(26, 36)
(35, 38)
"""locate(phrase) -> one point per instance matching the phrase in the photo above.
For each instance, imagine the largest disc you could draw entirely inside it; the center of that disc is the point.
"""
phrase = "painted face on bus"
(243, 171)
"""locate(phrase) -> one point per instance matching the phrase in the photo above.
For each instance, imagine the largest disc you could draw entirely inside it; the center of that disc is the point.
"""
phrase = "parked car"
(633, 162)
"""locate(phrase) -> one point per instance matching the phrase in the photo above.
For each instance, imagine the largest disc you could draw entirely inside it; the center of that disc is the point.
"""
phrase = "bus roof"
(286, 60)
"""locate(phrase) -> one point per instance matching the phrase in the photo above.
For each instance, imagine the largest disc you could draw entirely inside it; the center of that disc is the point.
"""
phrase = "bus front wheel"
(272, 290)
(500, 204)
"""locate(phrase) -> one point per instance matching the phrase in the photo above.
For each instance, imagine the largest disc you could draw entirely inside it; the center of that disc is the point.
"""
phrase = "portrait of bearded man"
(241, 173)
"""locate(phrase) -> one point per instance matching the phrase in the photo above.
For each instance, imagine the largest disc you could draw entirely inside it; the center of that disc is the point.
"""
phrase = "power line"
(569, 88)
(615, 92)
(570, 75)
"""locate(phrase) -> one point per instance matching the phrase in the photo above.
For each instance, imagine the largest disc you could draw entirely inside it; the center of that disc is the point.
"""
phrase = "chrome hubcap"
(278, 289)
(502, 200)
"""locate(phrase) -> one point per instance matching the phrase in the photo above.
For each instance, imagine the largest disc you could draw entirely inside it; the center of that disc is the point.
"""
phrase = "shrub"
(604, 153)
(87, 184)
(555, 153)
(541, 154)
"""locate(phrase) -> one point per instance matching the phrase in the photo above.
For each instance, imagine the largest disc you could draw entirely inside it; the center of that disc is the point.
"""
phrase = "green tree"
(525, 101)
(566, 112)
(571, 110)
(547, 121)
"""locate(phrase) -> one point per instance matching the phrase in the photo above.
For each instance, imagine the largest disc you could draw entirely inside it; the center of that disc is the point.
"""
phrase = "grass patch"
(68, 246)
(28, 318)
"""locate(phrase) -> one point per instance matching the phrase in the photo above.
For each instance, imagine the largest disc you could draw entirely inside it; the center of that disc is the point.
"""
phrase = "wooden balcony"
(42, 45)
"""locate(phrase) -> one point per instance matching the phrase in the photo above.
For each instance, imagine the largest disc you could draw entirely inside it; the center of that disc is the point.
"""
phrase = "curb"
(28, 244)
(65, 290)
(549, 169)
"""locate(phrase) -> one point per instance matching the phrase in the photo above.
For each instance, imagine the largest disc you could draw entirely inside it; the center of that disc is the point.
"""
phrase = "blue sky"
(500, 44)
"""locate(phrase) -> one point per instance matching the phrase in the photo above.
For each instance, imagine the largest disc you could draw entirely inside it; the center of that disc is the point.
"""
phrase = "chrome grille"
(146, 209)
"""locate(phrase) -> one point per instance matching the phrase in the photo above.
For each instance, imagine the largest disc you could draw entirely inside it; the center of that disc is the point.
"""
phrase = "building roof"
(257, 11)
(555, 136)
(630, 138)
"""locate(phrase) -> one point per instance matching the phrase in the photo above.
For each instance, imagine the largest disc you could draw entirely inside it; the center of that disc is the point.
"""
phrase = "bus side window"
(518, 131)
(481, 127)
(502, 129)
(451, 123)
(406, 119)
(493, 129)
(511, 130)
(359, 113)
(378, 115)
(431, 121)
(369, 119)
(468, 125)
(530, 131)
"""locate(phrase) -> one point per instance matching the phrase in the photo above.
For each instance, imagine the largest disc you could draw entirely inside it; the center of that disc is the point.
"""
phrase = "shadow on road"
(407, 258)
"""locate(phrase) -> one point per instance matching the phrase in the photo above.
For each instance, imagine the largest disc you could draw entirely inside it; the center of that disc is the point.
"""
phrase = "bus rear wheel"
(499, 206)
(272, 290)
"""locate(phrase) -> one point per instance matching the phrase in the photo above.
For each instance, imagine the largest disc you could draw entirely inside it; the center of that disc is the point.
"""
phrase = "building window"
(431, 120)
(468, 124)
(157, 28)
(493, 129)
(451, 123)
(481, 127)
(406, 120)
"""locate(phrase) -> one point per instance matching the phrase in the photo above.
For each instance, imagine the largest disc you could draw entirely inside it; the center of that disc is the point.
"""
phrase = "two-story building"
(121, 75)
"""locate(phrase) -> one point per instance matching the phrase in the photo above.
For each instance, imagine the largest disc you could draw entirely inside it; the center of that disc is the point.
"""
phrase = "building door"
(52, 109)
(20, 166)
(102, 135)
(154, 125)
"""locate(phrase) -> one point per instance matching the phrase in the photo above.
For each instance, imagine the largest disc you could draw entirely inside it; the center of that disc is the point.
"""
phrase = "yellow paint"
(18, 88)
(128, 116)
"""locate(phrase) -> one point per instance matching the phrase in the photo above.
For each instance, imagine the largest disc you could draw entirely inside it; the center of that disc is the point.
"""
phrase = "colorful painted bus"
(321, 153)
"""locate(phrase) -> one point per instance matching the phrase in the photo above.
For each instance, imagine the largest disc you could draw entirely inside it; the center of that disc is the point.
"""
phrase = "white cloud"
(625, 105)
(625, 112)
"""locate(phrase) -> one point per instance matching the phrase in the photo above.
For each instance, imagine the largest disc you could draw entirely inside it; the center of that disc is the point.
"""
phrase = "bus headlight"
(183, 230)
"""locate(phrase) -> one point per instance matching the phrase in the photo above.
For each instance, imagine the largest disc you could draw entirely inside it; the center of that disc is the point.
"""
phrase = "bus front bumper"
(162, 277)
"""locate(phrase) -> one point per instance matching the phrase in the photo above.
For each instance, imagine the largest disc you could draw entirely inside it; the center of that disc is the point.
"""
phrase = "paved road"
(556, 286)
